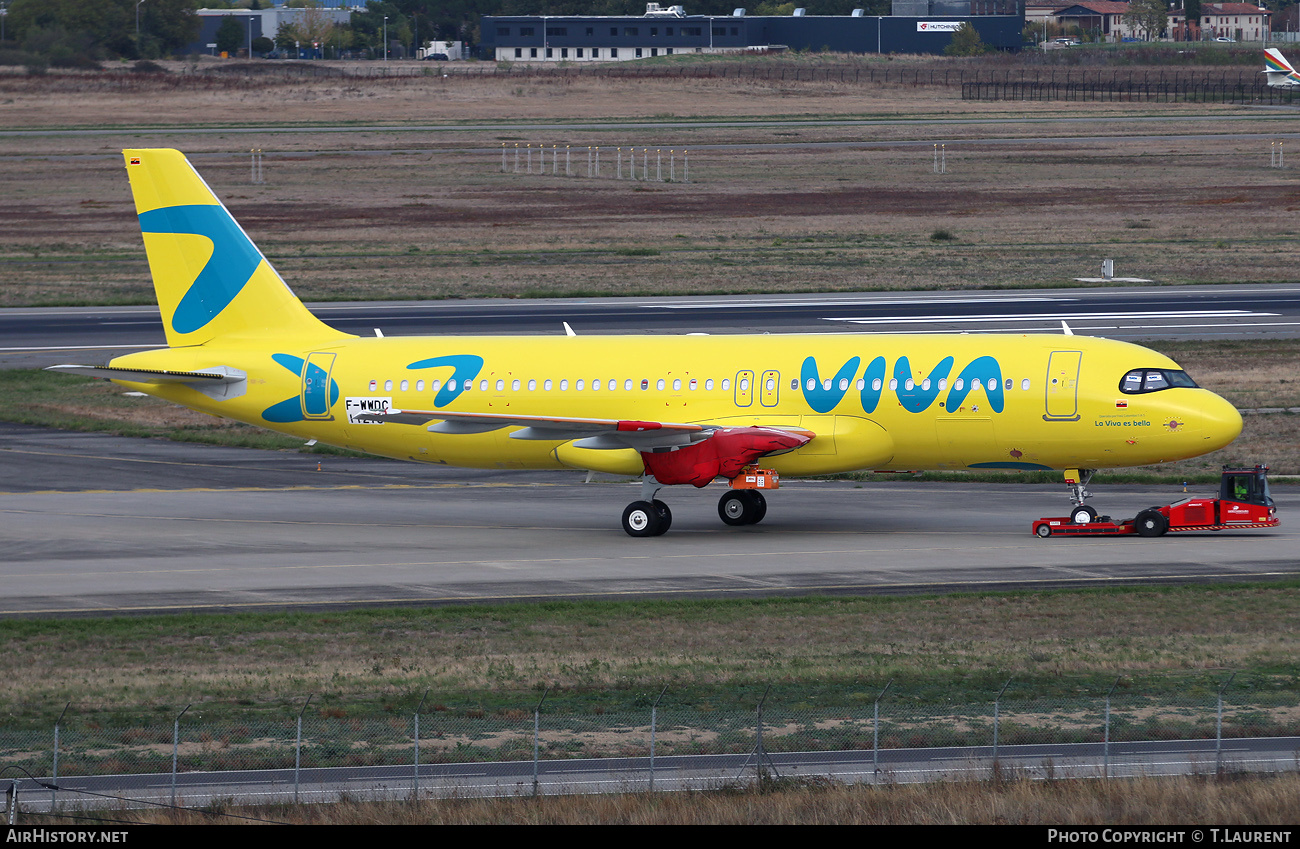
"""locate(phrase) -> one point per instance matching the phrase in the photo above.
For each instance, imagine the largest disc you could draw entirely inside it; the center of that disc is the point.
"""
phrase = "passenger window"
(959, 384)
(501, 386)
(577, 386)
(374, 384)
(564, 385)
(547, 385)
(893, 383)
(993, 383)
(875, 385)
(1010, 383)
(708, 384)
(677, 384)
(627, 385)
(482, 386)
(419, 386)
(435, 385)
(693, 384)
(1024, 385)
(645, 384)
(925, 384)
(451, 385)
(794, 383)
(388, 386)
(515, 386)
(595, 386)
(406, 384)
(659, 384)
(909, 385)
(532, 385)
(726, 384)
(744, 384)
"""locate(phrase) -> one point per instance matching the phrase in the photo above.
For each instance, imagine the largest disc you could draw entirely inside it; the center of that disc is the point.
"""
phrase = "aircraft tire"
(758, 504)
(735, 509)
(1151, 523)
(641, 519)
(665, 517)
(1083, 515)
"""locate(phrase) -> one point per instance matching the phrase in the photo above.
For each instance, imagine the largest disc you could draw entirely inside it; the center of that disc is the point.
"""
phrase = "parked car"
(1225, 40)
(438, 57)
(1068, 42)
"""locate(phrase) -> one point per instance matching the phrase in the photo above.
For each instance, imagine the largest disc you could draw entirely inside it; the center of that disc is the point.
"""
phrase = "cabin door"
(1063, 386)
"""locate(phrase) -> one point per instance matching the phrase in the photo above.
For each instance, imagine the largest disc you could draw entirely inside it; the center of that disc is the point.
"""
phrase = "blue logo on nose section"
(233, 260)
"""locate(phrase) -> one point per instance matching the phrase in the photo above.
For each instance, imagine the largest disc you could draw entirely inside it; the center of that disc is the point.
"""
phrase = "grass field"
(422, 208)
(954, 649)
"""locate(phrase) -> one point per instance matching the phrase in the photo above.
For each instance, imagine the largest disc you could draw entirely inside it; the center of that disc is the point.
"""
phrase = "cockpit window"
(1153, 380)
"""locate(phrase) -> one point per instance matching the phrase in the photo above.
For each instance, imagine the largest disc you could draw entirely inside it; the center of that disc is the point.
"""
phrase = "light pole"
(385, 38)
(137, 25)
(250, 36)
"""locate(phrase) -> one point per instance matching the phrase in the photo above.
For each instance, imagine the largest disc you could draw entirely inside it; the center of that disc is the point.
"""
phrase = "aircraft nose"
(1222, 423)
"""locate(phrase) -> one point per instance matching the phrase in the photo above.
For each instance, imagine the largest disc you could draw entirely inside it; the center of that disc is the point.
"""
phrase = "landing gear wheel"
(1151, 523)
(1044, 531)
(1083, 515)
(735, 508)
(758, 503)
(665, 517)
(642, 519)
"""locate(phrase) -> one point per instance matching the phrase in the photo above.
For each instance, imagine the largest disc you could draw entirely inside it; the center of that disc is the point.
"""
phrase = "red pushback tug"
(1243, 502)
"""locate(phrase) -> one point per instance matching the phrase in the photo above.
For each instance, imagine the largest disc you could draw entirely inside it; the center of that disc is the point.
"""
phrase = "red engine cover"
(725, 454)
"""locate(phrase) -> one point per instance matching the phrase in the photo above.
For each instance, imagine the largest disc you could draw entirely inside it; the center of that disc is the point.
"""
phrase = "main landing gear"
(742, 507)
(650, 517)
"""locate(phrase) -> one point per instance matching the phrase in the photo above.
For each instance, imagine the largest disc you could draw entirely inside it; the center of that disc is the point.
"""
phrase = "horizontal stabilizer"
(221, 374)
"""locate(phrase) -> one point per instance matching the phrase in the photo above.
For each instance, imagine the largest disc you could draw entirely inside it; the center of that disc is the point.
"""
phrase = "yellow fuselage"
(874, 402)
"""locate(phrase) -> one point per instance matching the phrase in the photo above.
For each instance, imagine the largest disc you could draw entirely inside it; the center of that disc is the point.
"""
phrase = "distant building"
(1238, 21)
(663, 32)
(256, 23)
(1103, 18)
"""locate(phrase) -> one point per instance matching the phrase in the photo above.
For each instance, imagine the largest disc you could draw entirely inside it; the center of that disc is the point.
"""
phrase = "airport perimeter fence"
(502, 748)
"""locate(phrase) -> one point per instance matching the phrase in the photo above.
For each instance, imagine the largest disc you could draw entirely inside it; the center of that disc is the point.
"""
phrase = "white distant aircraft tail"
(1279, 70)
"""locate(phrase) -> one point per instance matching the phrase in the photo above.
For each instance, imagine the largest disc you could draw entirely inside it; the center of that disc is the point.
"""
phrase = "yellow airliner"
(686, 409)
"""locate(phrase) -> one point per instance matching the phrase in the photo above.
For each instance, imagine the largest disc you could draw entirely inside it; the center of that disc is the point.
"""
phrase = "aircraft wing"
(589, 433)
(674, 452)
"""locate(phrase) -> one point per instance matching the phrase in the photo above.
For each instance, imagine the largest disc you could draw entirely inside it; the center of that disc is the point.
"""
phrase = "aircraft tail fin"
(1279, 70)
(210, 279)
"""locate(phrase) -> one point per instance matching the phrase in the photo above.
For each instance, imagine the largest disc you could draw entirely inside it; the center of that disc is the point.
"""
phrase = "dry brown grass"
(518, 651)
(428, 214)
(1263, 802)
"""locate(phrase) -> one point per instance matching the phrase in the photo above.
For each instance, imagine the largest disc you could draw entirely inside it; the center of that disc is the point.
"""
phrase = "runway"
(37, 337)
(95, 524)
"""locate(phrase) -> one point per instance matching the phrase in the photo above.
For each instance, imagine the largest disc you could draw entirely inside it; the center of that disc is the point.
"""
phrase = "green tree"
(107, 27)
(966, 41)
(230, 36)
(1150, 17)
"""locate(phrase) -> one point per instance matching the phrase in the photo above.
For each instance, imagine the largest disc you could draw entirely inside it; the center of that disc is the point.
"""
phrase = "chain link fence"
(513, 748)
